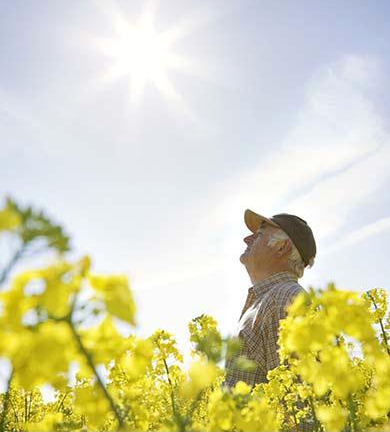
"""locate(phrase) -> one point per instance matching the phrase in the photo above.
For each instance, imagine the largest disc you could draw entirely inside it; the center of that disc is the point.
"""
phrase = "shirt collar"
(264, 285)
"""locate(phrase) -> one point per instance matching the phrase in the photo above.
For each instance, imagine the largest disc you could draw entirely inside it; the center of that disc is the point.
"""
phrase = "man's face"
(257, 253)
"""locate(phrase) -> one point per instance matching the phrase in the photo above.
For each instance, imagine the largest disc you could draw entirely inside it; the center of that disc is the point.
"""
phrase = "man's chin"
(243, 258)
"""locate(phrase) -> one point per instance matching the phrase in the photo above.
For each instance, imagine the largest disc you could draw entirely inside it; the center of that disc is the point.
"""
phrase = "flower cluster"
(59, 329)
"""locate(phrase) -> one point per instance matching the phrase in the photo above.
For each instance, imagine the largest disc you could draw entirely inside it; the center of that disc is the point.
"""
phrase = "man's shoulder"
(291, 287)
(284, 293)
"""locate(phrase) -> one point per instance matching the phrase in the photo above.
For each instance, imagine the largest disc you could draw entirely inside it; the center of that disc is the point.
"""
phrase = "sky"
(274, 106)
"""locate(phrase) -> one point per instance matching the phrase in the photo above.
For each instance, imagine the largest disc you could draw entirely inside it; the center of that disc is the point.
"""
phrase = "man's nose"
(248, 240)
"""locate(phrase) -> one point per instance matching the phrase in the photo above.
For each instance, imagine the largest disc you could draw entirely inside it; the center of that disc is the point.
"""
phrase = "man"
(278, 250)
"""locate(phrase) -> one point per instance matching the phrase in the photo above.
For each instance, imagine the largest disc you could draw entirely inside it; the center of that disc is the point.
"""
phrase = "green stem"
(6, 271)
(62, 402)
(25, 407)
(294, 417)
(177, 417)
(352, 411)
(193, 406)
(88, 357)
(69, 320)
(170, 384)
(317, 424)
(6, 403)
(15, 411)
(381, 325)
(30, 404)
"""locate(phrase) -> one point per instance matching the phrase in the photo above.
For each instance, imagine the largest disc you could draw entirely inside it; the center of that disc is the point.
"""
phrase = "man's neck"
(257, 277)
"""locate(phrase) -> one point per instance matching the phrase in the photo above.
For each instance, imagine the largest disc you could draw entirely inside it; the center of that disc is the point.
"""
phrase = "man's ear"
(284, 248)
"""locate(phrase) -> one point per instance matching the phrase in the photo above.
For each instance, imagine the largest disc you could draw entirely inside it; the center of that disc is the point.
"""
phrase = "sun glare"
(143, 55)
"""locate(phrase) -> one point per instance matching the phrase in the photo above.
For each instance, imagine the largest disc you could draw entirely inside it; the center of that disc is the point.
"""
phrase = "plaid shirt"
(258, 327)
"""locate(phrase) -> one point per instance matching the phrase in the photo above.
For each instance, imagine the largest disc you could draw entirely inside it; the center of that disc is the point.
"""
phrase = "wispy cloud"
(330, 202)
(360, 234)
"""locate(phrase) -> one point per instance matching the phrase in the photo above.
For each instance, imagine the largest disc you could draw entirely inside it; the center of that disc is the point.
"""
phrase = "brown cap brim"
(253, 220)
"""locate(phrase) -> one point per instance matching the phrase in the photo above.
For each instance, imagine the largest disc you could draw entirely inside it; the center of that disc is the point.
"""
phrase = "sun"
(143, 55)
